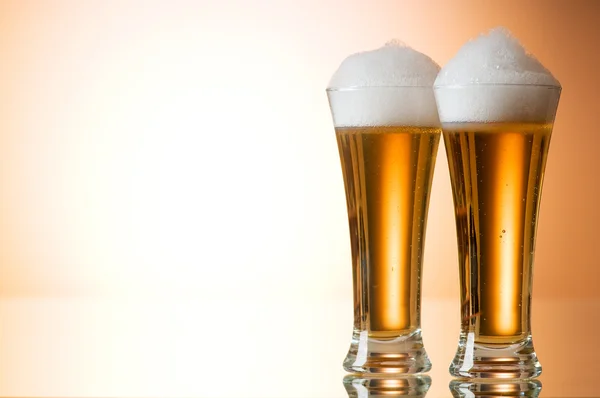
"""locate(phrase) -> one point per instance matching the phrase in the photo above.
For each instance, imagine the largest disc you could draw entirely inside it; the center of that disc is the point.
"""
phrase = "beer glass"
(415, 386)
(497, 156)
(387, 139)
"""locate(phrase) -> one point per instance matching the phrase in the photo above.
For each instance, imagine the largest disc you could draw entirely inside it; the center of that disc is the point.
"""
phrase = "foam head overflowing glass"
(387, 131)
(497, 106)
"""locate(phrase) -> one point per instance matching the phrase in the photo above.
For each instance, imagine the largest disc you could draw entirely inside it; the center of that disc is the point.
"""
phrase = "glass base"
(516, 388)
(361, 386)
(495, 361)
(399, 355)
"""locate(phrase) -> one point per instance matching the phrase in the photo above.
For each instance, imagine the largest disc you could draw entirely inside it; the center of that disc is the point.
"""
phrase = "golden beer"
(497, 104)
(387, 139)
(387, 175)
(497, 171)
(388, 131)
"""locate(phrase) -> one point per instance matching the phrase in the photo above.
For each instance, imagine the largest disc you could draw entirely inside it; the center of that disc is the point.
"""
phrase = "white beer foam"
(384, 87)
(495, 59)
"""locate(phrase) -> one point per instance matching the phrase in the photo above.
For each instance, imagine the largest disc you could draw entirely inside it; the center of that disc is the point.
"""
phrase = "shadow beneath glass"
(492, 389)
(362, 386)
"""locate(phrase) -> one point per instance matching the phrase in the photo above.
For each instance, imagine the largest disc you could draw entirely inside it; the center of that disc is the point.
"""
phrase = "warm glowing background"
(169, 169)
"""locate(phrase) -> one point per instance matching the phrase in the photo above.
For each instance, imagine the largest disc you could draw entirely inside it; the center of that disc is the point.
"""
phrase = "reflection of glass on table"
(517, 388)
(378, 386)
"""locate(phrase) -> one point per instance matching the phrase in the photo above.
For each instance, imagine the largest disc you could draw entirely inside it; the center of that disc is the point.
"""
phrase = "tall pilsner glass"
(387, 139)
(497, 155)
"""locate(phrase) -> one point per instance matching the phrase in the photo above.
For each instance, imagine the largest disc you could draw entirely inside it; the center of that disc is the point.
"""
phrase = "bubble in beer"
(496, 58)
(364, 91)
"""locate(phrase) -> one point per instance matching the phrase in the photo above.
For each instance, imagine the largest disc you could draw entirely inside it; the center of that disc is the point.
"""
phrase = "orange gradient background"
(170, 190)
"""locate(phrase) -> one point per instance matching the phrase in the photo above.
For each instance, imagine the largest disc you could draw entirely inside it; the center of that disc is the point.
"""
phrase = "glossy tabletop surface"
(259, 347)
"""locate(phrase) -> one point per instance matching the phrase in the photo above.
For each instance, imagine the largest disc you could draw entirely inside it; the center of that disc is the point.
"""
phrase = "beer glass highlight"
(497, 106)
(388, 132)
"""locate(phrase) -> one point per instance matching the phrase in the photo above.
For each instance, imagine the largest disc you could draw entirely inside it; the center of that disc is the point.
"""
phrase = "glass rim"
(473, 85)
(357, 88)
(449, 86)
